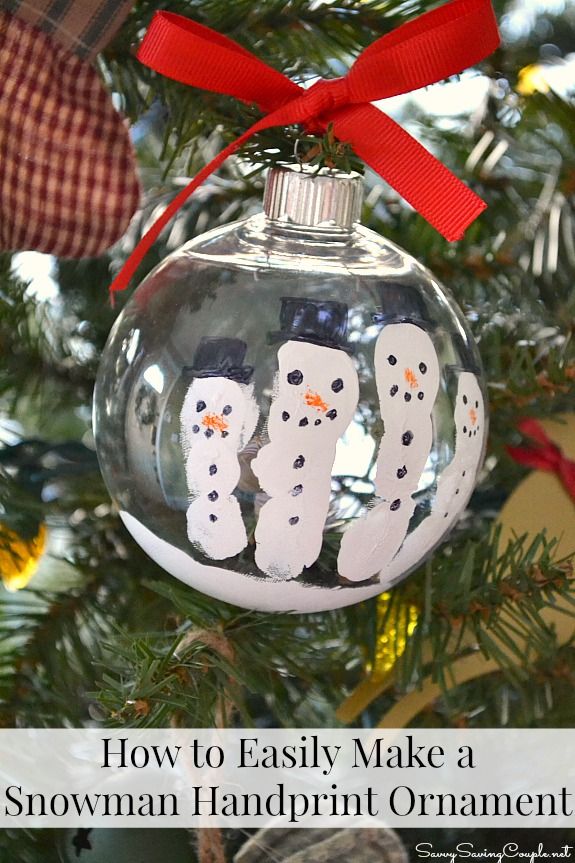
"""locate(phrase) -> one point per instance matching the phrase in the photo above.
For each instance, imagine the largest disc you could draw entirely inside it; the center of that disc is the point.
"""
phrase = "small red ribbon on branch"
(428, 49)
(545, 455)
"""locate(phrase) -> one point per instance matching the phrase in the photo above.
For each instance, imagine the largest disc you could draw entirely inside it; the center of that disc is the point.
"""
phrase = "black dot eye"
(299, 462)
(464, 429)
(422, 368)
(331, 414)
(407, 397)
(213, 517)
(476, 404)
(297, 489)
(303, 422)
(337, 385)
(420, 396)
(200, 406)
(464, 472)
(317, 422)
(392, 360)
(213, 495)
(209, 432)
(395, 505)
(213, 469)
(227, 410)
(464, 400)
(294, 519)
(195, 429)
(456, 491)
(285, 416)
(393, 390)
(406, 438)
(401, 472)
(225, 434)
(295, 377)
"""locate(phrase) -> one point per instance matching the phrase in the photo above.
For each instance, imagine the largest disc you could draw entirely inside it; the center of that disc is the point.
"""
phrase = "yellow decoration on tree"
(531, 79)
(394, 630)
(395, 627)
(19, 557)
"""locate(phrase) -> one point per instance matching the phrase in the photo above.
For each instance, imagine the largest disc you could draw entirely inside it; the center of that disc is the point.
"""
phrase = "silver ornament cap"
(300, 195)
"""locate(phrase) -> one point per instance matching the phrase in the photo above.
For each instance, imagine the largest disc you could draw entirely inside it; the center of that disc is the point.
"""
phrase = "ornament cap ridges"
(325, 199)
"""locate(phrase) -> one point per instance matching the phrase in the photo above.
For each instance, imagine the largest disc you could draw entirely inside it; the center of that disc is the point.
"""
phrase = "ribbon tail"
(283, 116)
(125, 275)
(437, 194)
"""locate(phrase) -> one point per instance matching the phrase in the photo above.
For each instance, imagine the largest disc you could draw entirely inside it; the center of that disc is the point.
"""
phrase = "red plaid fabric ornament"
(68, 183)
(83, 26)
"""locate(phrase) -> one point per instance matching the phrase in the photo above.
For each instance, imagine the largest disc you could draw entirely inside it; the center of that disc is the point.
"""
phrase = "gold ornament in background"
(19, 557)
(531, 79)
(393, 636)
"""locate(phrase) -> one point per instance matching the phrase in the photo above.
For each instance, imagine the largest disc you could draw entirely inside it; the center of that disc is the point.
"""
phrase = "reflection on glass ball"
(290, 417)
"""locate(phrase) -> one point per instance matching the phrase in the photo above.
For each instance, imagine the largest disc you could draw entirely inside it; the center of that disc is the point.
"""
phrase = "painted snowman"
(315, 397)
(457, 480)
(218, 417)
(407, 379)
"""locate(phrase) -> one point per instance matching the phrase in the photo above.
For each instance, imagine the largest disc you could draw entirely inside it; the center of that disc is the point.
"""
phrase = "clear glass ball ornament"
(289, 412)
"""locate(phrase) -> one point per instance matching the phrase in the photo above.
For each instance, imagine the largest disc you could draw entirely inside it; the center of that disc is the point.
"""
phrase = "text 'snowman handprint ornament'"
(289, 412)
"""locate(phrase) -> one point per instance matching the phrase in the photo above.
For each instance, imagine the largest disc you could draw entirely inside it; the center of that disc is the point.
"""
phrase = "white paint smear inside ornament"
(289, 414)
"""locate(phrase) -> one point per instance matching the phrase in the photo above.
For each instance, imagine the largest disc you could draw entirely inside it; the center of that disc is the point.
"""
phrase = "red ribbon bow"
(430, 48)
(545, 455)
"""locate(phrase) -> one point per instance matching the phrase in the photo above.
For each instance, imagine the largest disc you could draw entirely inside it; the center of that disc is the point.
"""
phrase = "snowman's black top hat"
(223, 358)
(322, 322)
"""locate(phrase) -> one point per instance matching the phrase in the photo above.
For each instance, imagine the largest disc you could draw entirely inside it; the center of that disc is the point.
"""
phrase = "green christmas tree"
(101, 634)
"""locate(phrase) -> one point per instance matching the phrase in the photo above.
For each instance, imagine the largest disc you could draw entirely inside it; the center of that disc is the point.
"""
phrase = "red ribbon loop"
(545, 455)
(434, 46)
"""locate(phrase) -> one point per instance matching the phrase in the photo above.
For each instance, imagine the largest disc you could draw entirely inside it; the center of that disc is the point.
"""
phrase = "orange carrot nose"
(473, 416)
(215, 422)
(411, 379)
(314, 400)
